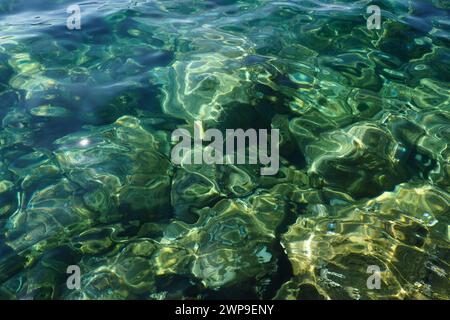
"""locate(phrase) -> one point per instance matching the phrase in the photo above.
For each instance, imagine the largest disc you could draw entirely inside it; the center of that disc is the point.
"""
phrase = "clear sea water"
(86, 180)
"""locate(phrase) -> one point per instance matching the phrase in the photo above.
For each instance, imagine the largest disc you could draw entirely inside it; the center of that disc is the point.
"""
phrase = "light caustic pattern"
(357, 210)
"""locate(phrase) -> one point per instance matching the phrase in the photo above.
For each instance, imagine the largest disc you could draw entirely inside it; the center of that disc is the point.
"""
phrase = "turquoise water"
(86, 177)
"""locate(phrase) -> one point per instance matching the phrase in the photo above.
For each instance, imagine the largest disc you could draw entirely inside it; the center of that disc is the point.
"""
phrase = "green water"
(86, 177)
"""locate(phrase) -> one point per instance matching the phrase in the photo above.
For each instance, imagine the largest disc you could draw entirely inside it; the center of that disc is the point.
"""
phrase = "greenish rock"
(230, 244)
(124, 166)
(357, 160)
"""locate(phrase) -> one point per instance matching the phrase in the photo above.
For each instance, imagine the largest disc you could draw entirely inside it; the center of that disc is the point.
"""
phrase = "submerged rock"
(123, 165)
(334, 254)
(128, 273)
(231, 245)
(358, 161)
(105, 174)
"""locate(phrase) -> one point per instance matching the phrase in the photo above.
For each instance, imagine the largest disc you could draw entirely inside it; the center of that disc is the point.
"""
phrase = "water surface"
(85, 139)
